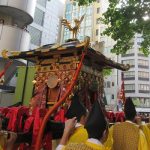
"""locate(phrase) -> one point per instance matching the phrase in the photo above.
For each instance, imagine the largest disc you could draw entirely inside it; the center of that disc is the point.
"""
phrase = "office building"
(137, 79)
(46, 27)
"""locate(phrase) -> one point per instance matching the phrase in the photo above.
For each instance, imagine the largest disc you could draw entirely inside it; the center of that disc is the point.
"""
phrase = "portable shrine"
(62, 70)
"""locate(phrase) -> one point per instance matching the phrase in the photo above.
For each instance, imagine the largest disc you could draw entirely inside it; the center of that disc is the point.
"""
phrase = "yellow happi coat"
(146, 130)
(80, 135)
(90, 144)
(126, 136)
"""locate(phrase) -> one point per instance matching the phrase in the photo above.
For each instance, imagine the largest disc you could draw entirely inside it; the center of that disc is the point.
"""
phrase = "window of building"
(75, 15)
(143, 63)
(97, 31)
(143, 74)
(108, 84)
(89, 10)
(129, 87)
(39, 16)
(105, 84)
(42, 2)
(144, 87)
(68, 17)
(88, 21)
(82, 12)
(139, 40)
(35, 35)
(88, 31)
(112, 96)
(129, 74)
(68, 8)
(131, 62)
(81, 31)
(98, 21)
(98, 10)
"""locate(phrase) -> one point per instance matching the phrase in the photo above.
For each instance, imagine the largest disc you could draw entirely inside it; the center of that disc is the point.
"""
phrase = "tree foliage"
(84, 2)
(107, 72)
(124, 19)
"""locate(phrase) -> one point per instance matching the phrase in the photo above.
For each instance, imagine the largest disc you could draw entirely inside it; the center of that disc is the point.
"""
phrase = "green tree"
(84, 2)
(124, 19)
(107, 72)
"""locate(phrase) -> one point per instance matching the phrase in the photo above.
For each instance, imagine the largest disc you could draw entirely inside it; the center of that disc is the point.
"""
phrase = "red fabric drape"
(122, 92)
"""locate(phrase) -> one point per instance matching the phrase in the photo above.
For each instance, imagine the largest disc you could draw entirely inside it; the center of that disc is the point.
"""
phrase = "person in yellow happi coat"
(146, 130)
(127, 135)
(96, 127)
(78, 110)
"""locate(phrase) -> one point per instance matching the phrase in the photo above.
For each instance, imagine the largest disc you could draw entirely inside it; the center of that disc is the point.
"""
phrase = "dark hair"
(129, 109)
(76, 109)
(98, 134)
(83, 113)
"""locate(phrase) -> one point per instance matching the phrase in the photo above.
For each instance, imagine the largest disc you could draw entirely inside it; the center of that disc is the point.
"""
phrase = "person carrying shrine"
(78, 110)
(127, 135)
(96, 127)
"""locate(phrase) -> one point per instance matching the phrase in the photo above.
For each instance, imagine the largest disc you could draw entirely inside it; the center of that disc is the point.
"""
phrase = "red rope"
(40, 134)
(5, 68)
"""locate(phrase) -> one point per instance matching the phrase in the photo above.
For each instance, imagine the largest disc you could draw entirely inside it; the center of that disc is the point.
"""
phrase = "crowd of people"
(86, 130)
(127, 135)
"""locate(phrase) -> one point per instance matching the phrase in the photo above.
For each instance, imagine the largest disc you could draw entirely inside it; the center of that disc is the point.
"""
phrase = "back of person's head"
(76, 109)
(96, 123)
(129, 109)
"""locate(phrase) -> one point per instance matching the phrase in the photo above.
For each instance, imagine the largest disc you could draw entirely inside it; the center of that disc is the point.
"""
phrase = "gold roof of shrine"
(72, 48)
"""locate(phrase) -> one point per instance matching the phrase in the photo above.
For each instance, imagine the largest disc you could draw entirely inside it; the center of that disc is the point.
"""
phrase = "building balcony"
(13, 38)
(22, 10)
(143, 78)
(129, 78)
(144, 91)
(143, 66)
(129, 91)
